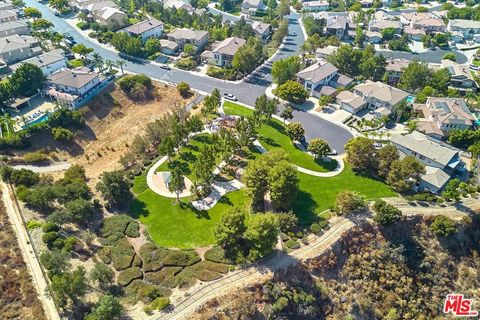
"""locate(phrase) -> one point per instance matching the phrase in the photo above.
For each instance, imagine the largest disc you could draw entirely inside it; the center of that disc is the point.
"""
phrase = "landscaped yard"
(272, 135)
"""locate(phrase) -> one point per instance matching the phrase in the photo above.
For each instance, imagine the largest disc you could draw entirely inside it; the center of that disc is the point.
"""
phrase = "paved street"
(246, 91)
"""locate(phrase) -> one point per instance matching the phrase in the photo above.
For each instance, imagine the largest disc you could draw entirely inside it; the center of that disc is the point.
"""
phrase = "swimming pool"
(40, 119)
(410, 99)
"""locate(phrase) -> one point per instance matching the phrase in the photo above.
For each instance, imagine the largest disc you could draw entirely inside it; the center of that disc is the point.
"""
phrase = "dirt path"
(28, 253)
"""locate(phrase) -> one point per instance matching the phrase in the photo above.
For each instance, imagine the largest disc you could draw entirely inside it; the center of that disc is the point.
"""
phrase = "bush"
(122, 255)
(385, 213)
(105, 254)
(139, 290)
(35, 157)
(82, 25)
(119, 224)
(125, 277)
(220, 73)
(137, 262)
(186, 64)
(292, 244)
(160, 303)
(49, 238)
(443, 226)
(33, 224)
(217, 254)
(179, 258)
(22, 177)
(197, 271)
(152, 257)
(183, 88)
(315, 228)
(136, 86)
(348, 202)
(449, 56)
(50, 227)
(133, 229)
(164, 277)
(62, 134)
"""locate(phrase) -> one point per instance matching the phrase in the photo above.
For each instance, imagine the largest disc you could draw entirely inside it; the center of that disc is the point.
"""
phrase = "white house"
(316, 5)
(18, 27)
(8, 16)
(252, 7)
(49, 62)
(145, 29)
(224, 51)
(169, 47)
(182, 36)
(17, 48)
(380, 95)
(468, 28)
(111, 17)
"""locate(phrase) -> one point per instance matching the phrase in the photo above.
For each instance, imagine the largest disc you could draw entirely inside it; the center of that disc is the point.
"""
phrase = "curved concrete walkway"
(219, 190)
(155, 182)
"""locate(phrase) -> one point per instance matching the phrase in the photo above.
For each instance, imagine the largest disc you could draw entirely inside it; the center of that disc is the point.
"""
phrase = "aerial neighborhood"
(239, 159)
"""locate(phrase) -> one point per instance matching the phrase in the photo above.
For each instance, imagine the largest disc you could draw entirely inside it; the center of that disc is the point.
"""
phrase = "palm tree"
(121, 64)
(98, 61)
(109, 64)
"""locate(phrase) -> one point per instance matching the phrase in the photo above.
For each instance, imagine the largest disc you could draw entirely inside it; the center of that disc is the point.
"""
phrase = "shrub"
(348, 202)
(186, 64)
(292, 244)
(35, 157)
(449, 56)
(139, 290)
(49, 238)
(443, 226)
(33, 224)
(136, 86)
(125, 277)
(82, 25)
(197, 271)
(221, 73)
(117, 224)
(152, 256)
(62, 134)
(217, 254)
(23, 177)
(183, 88)
(122, 255)
(50, 227)
(385, 213)
(133, 229)
(105, 254)
(315, 228)
(164, 277)
(160, 303)
(182, 258)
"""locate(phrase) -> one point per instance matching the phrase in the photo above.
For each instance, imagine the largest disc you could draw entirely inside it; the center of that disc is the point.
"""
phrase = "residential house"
(178, 4)
(456, 37)
(19, 27)
(440, 115)
(380, 95)
(462, 78)
(111, 17)
(337, 26)
(323, 53)
(378, 26)
(383, 15)
(468, 28)
(373, 36)
(169, 47)
(73, 87)
(99, 5)
(145, 29)
(253, 7)
(350, 102)
(262, 30)
(224, 51)
(441, 162)
(414, 34)
(322, 78)
(366, 3)
(316, 5)
(394, 70)
(181, 36)
(8, 16)
(18, 48)
(6, 5)
(49, 62)
(425, 21)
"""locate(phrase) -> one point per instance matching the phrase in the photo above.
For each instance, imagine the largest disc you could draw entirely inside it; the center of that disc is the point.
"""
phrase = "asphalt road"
(246, 91)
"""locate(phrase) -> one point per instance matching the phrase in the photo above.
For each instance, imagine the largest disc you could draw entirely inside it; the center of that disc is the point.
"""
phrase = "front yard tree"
(31, 12)
(152, 46)
(319, 148)
(291, 91)
(295, 131)
(262, 235)
(283, 185)
(230, 231)
(386, 213)
(107, 307)
(386, 156)
(405, 173)
(361, 155)
(115, 188)
(177, 182)
(189, 49)
(415, 76)
(287, 114)
(27, 79)
(41, 25)
(82, 50)
(348, 202)
(285, 69)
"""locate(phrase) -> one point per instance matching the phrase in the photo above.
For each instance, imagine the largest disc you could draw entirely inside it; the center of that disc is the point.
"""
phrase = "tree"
(203, 168)
(386, 156)
(443, 226)
(285, 69)
(283, 185)
(75, 172)
(102, 274)
(152, 46)
(61, 6)
(121, 64)
(55, 261)
(242, 29)
(451, 190)
(287, 113)
(31, 12)
(78, 210)
(230, 231)
(98, 61)
(189, 49)
(262, 235)
(361, 155)
(167, 147)
(82, 50)
(107, 308)
(183, 88)
(115, 188)
(405, 173)
(265, 107)
(27, 79)
(69, 287)
(248, 56)
(449, 56)
(415, 76)
(388, 34)
(62, 134)
(177, 182)
(385, 213)
(319, 148)
(421, 9)
(295, 131)
(41, 24)
(347, 202)
(291, 91)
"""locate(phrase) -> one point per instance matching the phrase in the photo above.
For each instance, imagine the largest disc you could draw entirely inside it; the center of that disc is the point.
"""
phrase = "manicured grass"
(272, 135)
(318, 194)
(179, 225)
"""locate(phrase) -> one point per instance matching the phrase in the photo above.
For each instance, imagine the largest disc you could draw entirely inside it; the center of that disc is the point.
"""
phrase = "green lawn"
(272, 135)
(179, 225)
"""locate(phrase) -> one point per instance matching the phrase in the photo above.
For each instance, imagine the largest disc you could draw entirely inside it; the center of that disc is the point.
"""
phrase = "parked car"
(165, 66)
(229, 96)
(332, 153)
(474, 67)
